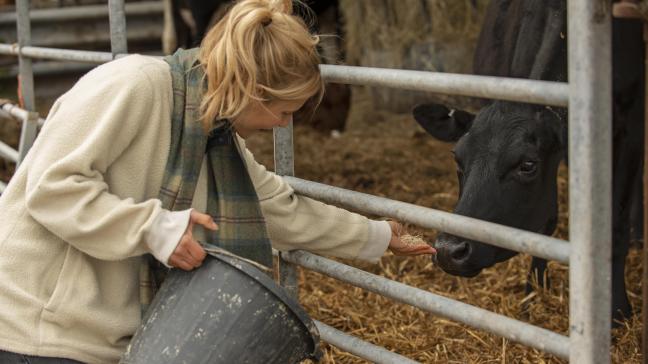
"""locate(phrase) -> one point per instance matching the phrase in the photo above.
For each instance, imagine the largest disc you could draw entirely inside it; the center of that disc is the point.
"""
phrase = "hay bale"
(431, 35)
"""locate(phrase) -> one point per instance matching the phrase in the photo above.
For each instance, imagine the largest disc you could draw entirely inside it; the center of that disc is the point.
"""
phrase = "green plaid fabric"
(232, 200)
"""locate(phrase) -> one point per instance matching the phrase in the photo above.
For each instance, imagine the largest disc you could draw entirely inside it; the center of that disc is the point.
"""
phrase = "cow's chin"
(463, 273)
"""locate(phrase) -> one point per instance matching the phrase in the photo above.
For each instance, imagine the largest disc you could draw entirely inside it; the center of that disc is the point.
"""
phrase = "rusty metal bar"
(25, 80)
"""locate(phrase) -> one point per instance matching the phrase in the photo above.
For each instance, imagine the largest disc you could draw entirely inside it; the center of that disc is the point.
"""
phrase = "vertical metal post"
(285, 166)
(644, 278)
(117, 16)
(25, 80)
(590, 179)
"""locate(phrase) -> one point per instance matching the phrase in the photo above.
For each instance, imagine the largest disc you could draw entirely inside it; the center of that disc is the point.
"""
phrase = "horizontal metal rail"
(45, 68)
(499, 235)
(8, 152)
(512, 89)
(88, 12)
(19, 113)
(57, 54)
(501, 325)
(501, 88)
(361, 348)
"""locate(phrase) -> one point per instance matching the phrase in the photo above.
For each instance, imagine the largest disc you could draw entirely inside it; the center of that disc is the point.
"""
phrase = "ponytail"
(258, 51)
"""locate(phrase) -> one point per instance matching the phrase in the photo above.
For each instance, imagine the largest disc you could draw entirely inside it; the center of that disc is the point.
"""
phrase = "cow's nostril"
(460, 251)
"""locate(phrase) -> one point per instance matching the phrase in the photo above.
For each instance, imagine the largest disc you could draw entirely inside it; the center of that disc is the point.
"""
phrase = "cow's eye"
(528, 167)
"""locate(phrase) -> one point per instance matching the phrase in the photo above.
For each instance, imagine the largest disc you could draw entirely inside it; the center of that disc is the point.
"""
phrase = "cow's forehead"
(495, 131)
(502, 125)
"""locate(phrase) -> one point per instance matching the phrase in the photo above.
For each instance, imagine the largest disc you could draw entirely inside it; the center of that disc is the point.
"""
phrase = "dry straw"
(352, 161)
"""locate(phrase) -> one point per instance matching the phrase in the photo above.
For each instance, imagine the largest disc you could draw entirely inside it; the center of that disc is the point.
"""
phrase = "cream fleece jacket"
(82, 208)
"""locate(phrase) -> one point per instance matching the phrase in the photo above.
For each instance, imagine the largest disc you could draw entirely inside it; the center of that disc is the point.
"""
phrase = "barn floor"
(392, 158)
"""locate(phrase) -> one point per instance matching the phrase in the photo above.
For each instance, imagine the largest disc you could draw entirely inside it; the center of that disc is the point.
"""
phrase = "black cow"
(508, 154)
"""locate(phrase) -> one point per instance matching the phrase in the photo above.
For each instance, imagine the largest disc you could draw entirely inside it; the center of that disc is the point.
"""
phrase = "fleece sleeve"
(298, 222)
(87, 130)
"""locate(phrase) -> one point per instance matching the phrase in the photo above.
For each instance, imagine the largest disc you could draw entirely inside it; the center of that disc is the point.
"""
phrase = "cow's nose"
(460, 252)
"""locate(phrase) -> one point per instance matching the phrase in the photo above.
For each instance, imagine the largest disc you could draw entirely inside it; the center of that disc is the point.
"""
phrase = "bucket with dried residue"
(226, 311)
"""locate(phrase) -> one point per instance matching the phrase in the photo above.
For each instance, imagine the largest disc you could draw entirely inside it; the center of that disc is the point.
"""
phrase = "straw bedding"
(408, 165)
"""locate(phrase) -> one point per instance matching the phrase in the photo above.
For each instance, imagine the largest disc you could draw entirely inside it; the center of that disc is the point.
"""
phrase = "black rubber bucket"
(226, 311)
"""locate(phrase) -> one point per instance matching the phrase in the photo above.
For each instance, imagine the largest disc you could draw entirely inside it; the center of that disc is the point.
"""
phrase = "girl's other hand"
(189, 254)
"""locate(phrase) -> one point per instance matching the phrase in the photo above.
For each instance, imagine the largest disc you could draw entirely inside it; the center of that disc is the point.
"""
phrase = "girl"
(148, 156)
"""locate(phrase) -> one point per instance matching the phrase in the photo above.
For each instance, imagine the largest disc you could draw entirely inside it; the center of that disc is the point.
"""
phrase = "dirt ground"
(393, 158)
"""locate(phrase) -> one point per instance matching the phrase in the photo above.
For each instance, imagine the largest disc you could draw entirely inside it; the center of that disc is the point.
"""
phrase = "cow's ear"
(442, 123)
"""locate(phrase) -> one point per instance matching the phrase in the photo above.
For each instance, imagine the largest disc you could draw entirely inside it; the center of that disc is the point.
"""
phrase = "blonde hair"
(258, 51)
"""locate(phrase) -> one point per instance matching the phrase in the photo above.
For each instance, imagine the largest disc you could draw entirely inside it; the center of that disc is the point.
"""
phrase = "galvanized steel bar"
(284, 161)
(590, 179)
(50, 68)
(117, 16)
(87, 12)
(644, 254)
(8, 152)
(532, 91)
(507, 327)
(26, 78)
(27, 136)
(495, 234)
(57, 54)
(361, 348)
(15, 111)
(512, 89)
(20, 114)
(25, 81)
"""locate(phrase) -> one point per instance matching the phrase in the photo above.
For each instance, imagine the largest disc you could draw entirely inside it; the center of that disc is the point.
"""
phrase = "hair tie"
(266, 22)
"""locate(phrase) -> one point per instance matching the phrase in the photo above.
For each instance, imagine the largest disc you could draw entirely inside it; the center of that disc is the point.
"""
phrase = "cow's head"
(507, 159)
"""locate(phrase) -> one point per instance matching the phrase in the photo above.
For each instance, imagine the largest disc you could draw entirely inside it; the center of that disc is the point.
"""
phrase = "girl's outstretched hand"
(189, 254)
(400, 247)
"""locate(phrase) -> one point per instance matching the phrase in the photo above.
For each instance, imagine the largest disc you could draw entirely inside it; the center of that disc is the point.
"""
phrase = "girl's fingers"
(178, 262)
(203, 219)
(414, 250)
(196, 251)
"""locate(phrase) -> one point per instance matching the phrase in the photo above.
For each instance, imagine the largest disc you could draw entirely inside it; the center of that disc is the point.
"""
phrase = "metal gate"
(588, 96)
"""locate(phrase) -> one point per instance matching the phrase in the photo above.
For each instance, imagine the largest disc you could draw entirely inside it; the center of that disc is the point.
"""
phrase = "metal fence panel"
(501, 325)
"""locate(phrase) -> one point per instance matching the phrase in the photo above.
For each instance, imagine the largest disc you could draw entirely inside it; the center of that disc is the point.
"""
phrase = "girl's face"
(265, 116)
